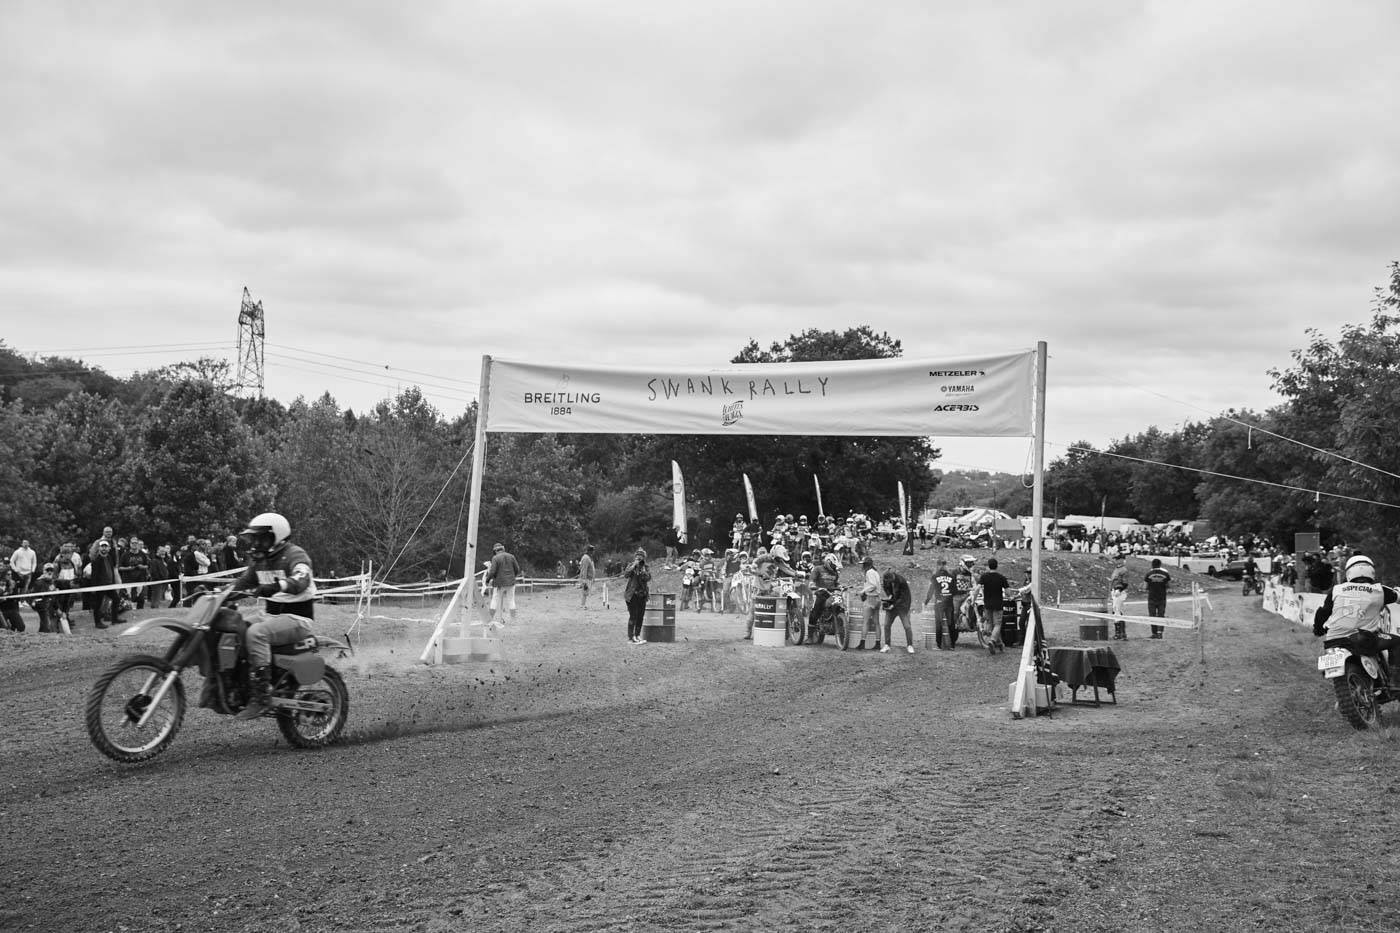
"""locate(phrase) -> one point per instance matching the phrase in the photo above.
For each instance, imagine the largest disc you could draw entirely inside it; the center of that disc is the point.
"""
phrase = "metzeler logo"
(951, 407)
(955, 373)
(731, 413)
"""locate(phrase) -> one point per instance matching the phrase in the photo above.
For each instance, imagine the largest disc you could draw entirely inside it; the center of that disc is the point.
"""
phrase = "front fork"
(179, 655)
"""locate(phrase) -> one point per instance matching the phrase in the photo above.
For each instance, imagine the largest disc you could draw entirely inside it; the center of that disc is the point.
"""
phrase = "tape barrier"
(1165, 621)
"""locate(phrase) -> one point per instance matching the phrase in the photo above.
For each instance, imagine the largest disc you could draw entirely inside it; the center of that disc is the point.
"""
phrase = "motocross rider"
(826, 577)
(279, 572)
(1356, 607)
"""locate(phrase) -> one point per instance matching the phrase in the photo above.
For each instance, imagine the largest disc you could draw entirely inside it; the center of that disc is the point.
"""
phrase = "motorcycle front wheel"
(119, 699)
(796, 624)
(839, 624)
(1356, 697)
(317, 730)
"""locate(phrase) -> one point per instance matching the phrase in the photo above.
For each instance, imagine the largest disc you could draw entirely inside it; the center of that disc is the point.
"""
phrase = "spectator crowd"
(122, 572)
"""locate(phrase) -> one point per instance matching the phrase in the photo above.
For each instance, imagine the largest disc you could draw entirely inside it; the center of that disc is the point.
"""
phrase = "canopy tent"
(1000, 395)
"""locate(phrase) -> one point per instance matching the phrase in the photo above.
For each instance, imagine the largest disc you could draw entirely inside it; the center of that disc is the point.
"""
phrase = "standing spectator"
(159, 570)
(500, 576)
(962, 590)
(586, 573)
(870, 602)
(940, 593)
(203, 562)
(229, 557)
(137, 571)
(994, 587)
(189, 567)
(69, 566)
(9, 600)
(44, 603)
(635, 595)
(896, 600)
(102, 571)
(23, 562)
(1157, 581)
(1118, 593)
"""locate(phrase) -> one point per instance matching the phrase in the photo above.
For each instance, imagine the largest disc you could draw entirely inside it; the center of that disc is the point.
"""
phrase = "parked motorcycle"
(832, 621)
(1360, 676)
(136, 708)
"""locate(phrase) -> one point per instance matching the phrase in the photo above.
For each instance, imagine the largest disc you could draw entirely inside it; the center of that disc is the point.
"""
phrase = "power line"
(376, 378)
(466, 382)
(1243, 479)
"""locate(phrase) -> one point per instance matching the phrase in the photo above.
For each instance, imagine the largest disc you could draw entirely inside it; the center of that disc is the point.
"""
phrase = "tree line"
(173, 451)
(1322, 460)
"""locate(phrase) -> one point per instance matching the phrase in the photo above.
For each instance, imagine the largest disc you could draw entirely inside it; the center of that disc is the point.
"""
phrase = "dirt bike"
(833, 621)
(136, 708)
(1360, 677)
(1252, 584)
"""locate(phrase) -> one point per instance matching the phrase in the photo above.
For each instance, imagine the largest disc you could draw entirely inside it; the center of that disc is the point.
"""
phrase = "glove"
(269, 589)
(1318, 629)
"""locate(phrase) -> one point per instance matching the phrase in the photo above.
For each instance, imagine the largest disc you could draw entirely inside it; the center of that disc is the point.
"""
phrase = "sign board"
(1306, 542)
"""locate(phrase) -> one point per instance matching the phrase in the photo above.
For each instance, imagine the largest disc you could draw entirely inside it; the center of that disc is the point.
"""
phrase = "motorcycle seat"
(297, 647)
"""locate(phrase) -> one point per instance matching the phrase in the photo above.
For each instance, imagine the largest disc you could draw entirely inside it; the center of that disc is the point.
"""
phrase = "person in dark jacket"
(635, 594)
(896, 599)
(102, 571)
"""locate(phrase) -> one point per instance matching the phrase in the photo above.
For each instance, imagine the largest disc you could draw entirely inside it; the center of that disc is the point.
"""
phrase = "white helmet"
(266, 534)
(779, 551)
(1360, 566)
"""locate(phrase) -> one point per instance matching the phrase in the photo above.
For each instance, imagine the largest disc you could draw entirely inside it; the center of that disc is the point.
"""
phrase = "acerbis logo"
(956, 408)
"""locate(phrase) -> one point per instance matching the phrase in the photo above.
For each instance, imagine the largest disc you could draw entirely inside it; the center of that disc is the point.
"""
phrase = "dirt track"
(586, 784)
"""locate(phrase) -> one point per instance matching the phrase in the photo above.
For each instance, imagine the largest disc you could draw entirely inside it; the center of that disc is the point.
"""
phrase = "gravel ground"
(587, 784)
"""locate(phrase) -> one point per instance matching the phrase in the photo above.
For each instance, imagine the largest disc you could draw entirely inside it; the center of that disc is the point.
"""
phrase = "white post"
(1026, 675)
(466, 590)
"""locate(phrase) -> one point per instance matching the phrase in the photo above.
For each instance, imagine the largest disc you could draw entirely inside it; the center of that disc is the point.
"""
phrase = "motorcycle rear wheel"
(119, 698)
(839, 624)
(1356, 697)
(317, 730)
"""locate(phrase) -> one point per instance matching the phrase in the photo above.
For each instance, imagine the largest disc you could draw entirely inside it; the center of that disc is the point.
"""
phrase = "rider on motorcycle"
(1357, 607)
(280, 572)
(825, 577)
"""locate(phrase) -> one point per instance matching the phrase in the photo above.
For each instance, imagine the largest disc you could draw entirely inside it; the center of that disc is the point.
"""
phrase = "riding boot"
(259, 694)
(1120, 631)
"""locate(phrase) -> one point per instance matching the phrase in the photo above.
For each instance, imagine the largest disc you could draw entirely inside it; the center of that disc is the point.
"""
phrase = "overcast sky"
(1168, 193)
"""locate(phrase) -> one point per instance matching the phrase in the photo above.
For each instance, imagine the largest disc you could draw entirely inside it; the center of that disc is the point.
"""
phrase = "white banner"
(903, 506)
(818, 483)
(986, 396)
(678, 500)
(748, 491)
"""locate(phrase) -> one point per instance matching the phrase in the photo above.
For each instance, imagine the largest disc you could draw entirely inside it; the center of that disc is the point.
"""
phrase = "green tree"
(83, 442)
(29, 507)
(196, 468)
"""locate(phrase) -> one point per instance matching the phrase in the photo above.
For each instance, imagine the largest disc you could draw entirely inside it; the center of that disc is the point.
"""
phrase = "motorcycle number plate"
(1332, 663)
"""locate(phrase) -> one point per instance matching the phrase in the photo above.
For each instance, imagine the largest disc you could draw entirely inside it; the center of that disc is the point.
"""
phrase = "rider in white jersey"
(1357, 606)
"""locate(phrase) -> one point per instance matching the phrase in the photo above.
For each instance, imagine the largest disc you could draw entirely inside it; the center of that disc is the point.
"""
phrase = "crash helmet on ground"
(1360, 568)
(265, 535)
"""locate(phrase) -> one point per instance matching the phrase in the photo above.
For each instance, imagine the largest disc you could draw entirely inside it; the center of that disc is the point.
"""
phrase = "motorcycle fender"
(306, 668)
(145, 625)
(1372, 666)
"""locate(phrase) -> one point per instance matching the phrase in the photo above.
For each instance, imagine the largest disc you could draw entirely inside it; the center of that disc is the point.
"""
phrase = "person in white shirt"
(23, 562)
(870, 592)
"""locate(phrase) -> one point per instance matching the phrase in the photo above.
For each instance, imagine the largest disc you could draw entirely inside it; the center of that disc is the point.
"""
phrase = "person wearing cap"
(44, 601)
(870, 600)
(587, 572)
(635, 593)
(102, 571)
(500, 576)
(1118, 594)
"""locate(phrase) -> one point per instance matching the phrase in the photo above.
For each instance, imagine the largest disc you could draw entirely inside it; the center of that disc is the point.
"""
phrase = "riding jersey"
(824, 577)
(287, 577)
(1353, 607)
